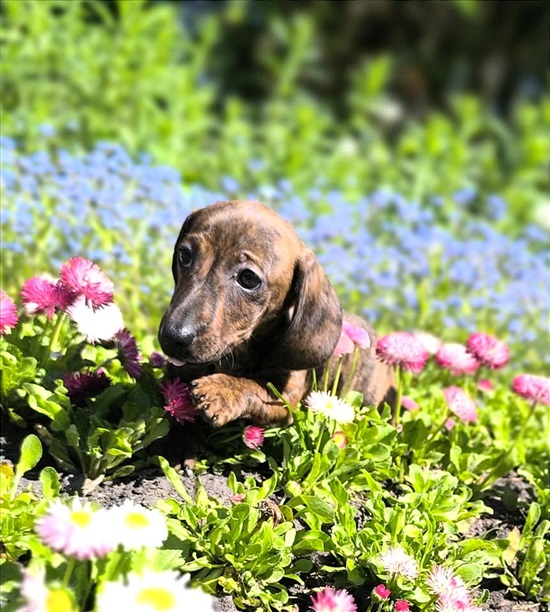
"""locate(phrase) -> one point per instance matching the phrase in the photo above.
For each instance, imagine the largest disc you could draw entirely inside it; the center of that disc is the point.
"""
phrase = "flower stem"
(68, 572)
(337, 376)
(56, 333)
(347, 386)
(397, 406)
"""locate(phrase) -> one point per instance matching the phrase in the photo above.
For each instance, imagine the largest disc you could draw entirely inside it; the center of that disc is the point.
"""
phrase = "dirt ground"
(150, 485)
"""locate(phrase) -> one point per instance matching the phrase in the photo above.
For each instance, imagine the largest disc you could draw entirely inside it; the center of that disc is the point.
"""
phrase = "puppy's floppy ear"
(314, 319)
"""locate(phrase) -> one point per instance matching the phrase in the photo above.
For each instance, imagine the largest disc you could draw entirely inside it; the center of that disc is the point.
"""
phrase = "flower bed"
(349, 507)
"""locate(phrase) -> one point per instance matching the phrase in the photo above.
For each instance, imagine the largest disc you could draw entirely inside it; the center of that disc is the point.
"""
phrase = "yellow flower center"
(157, 598)
(58, 601)
(136, 520)
(81, 518)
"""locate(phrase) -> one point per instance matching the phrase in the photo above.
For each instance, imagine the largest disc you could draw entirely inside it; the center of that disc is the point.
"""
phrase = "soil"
(508, 497)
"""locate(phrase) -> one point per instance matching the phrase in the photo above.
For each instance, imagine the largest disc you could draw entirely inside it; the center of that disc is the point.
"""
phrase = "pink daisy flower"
(128, 353)
(404, 350)
(178, 400)
(449, 424)
(358, 335)
(533, 388)
(83, 385)
(8, 313)
(460, 404)
(41, 295)
(76, 529)
(455, 357)
(488, 350)
(409, 404)
(96, 325)
(402, 605)
(344, 346)
(340, 439)
(382, 592)
(442, 581)
(253, 436)
(329, 600)
(484, 384)
(430, 342)
(85, 278)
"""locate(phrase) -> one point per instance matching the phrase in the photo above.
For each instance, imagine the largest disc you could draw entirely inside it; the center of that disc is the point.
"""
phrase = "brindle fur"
(234, 341)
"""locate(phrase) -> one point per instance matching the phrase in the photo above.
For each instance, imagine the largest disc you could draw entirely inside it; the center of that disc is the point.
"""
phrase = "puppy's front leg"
(223, 398)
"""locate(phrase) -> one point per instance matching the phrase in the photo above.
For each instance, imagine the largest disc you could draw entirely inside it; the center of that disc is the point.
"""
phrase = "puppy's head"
(244, 279)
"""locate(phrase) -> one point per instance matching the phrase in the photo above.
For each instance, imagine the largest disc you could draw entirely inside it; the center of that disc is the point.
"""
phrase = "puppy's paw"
(216, 400)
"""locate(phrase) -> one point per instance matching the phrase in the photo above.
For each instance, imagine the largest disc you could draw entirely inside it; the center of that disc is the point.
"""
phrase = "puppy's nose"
(180, 335)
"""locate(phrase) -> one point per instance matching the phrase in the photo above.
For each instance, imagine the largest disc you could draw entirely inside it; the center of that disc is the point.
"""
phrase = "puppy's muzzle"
(176, 338)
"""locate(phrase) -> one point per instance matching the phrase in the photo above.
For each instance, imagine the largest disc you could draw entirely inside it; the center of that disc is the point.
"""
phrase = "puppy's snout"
(175, 336)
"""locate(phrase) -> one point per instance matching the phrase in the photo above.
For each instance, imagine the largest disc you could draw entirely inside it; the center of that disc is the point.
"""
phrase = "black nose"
(175, 336)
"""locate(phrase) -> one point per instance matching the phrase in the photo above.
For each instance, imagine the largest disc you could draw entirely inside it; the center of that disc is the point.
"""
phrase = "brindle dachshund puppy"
(252, 305)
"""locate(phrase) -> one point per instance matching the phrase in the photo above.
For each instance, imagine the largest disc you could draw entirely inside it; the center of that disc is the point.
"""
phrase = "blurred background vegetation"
(425, 98)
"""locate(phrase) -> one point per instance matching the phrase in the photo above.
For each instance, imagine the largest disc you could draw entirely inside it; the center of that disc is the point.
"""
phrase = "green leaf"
(175, 480)
(31, 453)
(50, 482)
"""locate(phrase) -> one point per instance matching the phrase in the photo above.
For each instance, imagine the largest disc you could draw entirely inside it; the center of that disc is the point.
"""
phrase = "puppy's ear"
(314, 319)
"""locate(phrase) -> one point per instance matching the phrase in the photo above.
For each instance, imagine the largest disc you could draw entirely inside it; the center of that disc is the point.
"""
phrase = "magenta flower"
(460, 404)
(237, 498)
(358, 335)
(382, 592)
(449, 424)
(83, 385)
(85, 278)
(157, 360)
(178, 400)
(484, 384)
(456, 358)
(430, 342)
(8, 313)
(404, 350)
(533, 388)
(42, 296)
(344, 346)
(409, 404)
(128, 353)
(488, 350)
(253, 436)
(402, 605)
(329, 600)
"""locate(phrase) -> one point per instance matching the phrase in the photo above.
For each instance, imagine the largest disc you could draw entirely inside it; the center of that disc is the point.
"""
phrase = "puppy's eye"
(249, 280)
(185, 256)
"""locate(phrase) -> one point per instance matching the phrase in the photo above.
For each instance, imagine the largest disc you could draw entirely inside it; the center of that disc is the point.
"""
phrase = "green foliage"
(89, 75)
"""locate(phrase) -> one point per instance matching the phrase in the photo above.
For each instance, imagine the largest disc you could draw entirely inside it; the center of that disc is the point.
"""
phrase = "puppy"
(252, 305)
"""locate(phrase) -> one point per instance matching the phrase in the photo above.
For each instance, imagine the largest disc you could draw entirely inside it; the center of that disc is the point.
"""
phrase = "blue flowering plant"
(72, 370)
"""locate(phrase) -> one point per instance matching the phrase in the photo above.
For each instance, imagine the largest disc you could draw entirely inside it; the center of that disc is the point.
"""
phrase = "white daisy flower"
(330, 406)
(153, 591)
(134, 526)
(76, 529)
(397, 562)
(96, 324)
(39, 597)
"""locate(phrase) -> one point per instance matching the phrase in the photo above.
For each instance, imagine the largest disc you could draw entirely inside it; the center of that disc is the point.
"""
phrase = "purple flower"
(358, 335)
(329, 600)
(8, 313)
(157, 360)
(129, 353)
(178, 400)
(83, 385)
